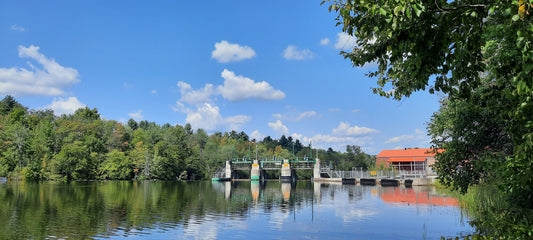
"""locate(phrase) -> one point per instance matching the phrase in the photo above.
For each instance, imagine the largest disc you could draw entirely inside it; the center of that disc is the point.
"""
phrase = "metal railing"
(360, 173)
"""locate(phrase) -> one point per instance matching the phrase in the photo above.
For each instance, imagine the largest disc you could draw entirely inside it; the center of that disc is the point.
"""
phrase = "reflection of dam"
(271, 193)
(412, 196)
(265, 191)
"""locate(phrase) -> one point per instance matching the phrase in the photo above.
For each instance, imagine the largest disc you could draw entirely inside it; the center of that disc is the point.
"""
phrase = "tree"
(8, 104)
(87, 114)
(133, 124)
(480, 54)
(117, 166)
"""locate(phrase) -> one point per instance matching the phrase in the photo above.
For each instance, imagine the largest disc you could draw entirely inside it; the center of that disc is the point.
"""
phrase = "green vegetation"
(36, 145)
(480, 55)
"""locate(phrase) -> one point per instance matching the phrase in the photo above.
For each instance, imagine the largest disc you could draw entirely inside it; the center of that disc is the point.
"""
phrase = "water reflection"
(418, 196)
(221, 210)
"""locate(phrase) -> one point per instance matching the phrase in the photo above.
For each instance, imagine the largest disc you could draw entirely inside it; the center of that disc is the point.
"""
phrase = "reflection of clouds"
(208, 227)
(277, 219)
(349, 214)
(341, 202)
(198, 228)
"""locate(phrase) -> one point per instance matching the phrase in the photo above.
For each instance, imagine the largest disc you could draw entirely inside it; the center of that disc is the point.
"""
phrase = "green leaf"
(515, 17)
(417, 10)
(382, 11)
(397, 10)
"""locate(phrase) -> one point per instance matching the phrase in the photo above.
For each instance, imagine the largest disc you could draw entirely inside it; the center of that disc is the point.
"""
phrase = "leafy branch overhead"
(436, 45)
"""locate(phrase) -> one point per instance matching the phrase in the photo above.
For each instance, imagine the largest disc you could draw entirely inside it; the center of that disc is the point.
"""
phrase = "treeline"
(37, 145)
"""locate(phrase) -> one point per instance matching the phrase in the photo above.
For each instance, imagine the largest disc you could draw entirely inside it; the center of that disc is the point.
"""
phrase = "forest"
(37, 145)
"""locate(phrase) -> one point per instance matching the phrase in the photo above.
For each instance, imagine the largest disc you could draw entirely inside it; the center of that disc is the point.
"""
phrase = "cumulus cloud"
(257, 135)
(336, 142)
(14, 27)
(279, 127)
(137, 116)
(408, 139)
(307, 114)
(235, 122)
(297, 136)
(345, 41)
(195, 97)
(342, 135)
(237, 88)
(344, 129)
(324, 41)
(65, 106)
(230, 52)
(208, 117)
(294, 53)
(200, 104)
(48, 81)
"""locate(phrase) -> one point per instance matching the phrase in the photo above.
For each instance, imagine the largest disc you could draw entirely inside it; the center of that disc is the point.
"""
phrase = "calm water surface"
(238, 210)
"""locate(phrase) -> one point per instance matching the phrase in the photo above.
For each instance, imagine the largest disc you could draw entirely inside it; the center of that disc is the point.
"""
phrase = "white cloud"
(345, 41)
(294, 53)
(277, 115)
(279, 127)
(154, 91)
(195, 97)
(257, 135)
(402, 138)
(338, 143)
(208, 117)
(49, 81)
(324, 41)
(137, 116)
(297, 136)
(408, 139)
(344, 129)
(238, 88)
(200, 105)
(229, 52)
(356, 110)
(65, 106)
(236, 122)
(307, 114)
(14, 27)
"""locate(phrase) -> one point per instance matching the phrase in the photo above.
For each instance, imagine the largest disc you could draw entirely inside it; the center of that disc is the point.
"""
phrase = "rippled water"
(227, 210)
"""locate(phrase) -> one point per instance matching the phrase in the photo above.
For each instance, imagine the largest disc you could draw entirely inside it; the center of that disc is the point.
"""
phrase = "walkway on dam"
(320, 172)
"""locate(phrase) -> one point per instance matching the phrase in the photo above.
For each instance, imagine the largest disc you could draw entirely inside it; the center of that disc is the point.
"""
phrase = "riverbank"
(495, 217)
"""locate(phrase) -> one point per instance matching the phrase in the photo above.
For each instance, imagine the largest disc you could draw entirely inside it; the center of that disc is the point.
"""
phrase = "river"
(225, 210)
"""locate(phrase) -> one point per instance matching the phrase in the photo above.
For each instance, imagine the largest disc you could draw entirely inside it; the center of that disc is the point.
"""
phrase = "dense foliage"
(478, 53)
(37, 145)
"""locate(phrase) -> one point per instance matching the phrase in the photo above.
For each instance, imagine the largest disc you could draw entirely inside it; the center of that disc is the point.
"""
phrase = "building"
(409, 159)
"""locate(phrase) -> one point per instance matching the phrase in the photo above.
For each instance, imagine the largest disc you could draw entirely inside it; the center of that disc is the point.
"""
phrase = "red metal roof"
(404, 153)
(408, 159)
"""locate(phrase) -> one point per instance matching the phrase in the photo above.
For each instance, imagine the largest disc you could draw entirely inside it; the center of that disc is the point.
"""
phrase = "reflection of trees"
(87, 209)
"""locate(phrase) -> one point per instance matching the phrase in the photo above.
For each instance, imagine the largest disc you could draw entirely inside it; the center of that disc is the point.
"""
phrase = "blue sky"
(264, 67)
